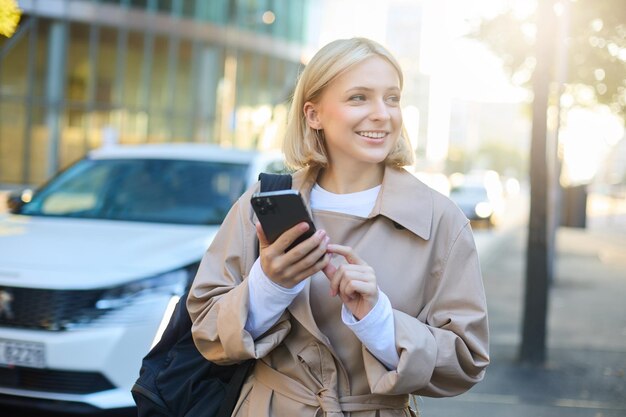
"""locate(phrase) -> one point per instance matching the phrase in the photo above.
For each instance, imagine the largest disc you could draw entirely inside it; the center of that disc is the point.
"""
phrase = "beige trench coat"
(423, 252)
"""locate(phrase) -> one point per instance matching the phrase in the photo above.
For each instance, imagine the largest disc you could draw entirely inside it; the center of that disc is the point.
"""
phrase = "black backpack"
(175, 380)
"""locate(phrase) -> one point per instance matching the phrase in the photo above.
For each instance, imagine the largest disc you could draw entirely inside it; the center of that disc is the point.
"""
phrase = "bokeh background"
(525, 97)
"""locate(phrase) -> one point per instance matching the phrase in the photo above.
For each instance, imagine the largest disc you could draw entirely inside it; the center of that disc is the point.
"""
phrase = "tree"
(596, 50)
(9, 17)
(539, 246)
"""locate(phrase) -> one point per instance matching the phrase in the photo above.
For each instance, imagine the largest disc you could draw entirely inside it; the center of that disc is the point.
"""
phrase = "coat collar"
(403, 198)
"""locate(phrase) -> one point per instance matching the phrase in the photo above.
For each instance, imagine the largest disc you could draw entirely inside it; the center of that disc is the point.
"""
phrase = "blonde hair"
(304, 146)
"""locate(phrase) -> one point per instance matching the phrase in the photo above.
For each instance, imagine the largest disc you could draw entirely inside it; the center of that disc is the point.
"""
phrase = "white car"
(92, 265)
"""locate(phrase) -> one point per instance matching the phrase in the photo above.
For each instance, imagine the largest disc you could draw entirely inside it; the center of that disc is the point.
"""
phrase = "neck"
(341, 180)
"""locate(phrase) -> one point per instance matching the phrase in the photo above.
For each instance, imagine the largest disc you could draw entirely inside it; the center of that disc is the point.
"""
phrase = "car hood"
(64, 253)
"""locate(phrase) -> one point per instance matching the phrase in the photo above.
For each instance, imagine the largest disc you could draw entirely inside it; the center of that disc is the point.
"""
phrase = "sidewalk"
(585, 371)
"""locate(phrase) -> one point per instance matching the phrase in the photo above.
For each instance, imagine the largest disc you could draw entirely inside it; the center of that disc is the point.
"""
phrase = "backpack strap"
(233, 389)
(274, 182)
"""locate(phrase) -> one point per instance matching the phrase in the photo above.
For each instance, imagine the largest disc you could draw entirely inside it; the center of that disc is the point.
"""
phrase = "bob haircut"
(303, 146)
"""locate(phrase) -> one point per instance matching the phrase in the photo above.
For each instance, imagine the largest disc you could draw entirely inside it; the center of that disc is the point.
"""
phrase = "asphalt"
(585, 369)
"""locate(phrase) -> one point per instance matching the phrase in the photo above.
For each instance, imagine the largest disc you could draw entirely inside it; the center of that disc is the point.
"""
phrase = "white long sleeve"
(268, 300)
(376, 331)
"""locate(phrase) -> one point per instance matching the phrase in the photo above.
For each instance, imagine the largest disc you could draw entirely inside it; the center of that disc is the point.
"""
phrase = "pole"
(55, 91)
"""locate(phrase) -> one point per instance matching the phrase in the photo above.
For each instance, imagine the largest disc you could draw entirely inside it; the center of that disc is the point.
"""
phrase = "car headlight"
(172, 283)
(483, 210)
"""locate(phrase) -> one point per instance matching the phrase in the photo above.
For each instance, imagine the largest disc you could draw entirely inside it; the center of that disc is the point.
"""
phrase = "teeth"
(373, 135)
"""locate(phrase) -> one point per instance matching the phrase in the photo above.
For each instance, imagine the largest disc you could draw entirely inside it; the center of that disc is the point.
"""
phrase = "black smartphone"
(281, 210)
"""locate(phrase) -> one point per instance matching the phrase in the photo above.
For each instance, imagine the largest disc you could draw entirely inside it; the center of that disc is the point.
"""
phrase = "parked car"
(479, 203)
(93, 263)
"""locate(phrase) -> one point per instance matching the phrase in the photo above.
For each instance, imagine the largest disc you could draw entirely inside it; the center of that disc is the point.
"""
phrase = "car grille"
(67, 382)
(47, 309)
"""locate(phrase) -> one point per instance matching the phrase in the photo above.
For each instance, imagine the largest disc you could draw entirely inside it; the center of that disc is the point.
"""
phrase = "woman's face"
(359, 113)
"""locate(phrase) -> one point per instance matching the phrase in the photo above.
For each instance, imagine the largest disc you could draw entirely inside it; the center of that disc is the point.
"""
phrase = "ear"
(311, 115)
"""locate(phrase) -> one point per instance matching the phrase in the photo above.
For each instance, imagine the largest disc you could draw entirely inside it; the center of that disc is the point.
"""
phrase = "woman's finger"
(263, 242)
(318, 266)
(303, 249)
(314, 255)
(347, 252)
(349, 272)
(352, 288)
(290, 268)
(307, 260)
(330, 270)
(290, 235)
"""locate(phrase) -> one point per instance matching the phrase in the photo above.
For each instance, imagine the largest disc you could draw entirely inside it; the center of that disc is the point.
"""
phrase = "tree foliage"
(594, 38)
(9, 17)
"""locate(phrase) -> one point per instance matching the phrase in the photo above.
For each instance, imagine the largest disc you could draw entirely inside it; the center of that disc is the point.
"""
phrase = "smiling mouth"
(372, 135)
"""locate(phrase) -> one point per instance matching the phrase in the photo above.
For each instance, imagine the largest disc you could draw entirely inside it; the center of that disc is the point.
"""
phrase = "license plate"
(19, 353)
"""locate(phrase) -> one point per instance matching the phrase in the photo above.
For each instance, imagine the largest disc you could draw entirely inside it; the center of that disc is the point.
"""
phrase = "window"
(150, 190)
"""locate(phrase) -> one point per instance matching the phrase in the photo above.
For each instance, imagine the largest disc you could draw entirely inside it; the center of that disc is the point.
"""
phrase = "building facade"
(80, 74)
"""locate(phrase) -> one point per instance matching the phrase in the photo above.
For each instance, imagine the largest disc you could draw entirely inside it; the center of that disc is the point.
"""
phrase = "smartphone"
(281, 210)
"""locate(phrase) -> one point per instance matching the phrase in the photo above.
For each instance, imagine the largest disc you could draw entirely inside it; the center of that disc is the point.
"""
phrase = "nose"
(380, 110)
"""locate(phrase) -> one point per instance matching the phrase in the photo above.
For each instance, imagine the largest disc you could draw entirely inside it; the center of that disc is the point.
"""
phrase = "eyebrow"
(361, 88)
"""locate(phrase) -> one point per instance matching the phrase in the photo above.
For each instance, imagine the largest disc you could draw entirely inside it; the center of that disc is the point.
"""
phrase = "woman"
(384, 300)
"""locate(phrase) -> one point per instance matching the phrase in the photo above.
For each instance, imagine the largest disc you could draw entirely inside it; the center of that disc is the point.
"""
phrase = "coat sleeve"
(219, 297)
(445, 351)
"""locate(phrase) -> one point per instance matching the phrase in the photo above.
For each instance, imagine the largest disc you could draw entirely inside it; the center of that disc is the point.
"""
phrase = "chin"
(374, 159)
(375, 156)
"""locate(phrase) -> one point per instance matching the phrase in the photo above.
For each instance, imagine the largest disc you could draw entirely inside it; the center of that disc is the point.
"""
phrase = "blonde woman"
(384, 300)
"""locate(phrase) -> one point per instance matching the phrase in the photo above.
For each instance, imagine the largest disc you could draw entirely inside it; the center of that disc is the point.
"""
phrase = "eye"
(357, 97)
(394, 99)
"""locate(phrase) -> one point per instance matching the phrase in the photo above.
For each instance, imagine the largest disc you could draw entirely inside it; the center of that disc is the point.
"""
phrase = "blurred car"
(92, 264)
(479, 204)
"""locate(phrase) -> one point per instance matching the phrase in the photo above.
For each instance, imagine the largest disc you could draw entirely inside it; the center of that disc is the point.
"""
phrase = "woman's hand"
(287, 269)
(355, 282)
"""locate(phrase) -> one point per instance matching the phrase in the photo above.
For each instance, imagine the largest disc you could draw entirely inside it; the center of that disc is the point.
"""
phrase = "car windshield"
(469, 191)
(144, 190)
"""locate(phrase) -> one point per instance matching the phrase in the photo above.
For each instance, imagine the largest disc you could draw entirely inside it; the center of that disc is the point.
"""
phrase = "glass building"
(79, 74)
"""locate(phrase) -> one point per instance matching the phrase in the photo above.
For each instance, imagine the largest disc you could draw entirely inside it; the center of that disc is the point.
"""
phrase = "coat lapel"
(300, 309)
(406, 201)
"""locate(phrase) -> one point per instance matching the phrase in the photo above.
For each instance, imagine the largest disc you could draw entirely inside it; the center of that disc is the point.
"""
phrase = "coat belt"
(326, 399)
